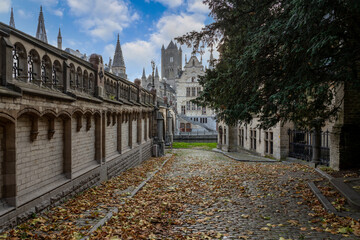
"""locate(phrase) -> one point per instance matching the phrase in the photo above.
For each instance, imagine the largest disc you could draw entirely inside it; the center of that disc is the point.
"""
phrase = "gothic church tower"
(171, 63)
(118, 65)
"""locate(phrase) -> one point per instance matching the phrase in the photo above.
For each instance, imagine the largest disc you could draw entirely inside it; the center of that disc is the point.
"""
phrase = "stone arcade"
(65, 124)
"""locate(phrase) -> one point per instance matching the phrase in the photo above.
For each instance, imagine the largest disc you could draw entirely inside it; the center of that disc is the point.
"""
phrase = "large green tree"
(280, 60)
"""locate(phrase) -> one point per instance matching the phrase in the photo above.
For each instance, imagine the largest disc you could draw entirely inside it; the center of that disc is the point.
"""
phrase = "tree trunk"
(316, 144)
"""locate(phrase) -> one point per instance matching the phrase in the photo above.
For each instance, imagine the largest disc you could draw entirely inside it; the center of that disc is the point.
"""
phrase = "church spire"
(41, 31)
(143, 75)
(156, 73)
(118, 66)
(12, 21)
(59, 40)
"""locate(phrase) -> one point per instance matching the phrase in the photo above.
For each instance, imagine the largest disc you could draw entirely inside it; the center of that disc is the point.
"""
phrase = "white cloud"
(24, 14)
(197, 6)
(170, 3)
(109, 50)
(5, 6)
(59, 12)
(172, 26)
(47, 2)
(101, 18)
(139, 53)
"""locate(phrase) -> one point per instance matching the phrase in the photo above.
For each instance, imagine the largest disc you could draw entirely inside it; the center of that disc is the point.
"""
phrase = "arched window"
(72, 76)
(79, 81)
(57, 75)
(46, 70)
(20, 62)
(91, 83)
(85, 81)
(34, 72)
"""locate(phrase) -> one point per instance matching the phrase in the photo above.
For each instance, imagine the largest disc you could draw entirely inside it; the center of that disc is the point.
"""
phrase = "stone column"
(9, 165)
(160, 133)
(6, 61)
(98, 138)
(67, 148)
(130, 129)
(169, 128)
(119, 124)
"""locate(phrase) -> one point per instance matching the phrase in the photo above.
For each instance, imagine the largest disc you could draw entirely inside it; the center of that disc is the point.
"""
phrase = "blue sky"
(91, 26)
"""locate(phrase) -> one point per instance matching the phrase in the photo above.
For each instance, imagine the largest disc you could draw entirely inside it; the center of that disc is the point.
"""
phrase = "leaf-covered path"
(203, 195)
(198, 195)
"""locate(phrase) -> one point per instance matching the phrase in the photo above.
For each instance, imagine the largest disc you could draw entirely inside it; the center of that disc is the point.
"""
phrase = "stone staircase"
(203, 125)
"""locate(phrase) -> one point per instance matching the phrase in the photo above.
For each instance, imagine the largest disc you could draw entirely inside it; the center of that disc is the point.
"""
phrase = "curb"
(244, 160)
(115, 209)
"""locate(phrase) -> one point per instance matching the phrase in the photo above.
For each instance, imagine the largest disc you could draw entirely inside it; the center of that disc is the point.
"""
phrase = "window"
(198, 108)
(187, 105)
(183, 110)
(224, 135)
(253, 139)
(182, 127)
(269, 145)
(193, 79)
(171, 59)
(198, 91)
(193, 106)
(204, 111)
(241, 137)
(193, 91)
(188, 91)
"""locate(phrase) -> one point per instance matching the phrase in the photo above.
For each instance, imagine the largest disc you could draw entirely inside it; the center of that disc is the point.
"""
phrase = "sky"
(92, 26)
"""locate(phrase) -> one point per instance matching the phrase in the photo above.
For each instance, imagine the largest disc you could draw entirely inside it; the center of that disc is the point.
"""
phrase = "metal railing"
(301, 145)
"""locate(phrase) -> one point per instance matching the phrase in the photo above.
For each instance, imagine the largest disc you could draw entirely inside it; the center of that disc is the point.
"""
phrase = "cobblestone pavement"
(244, 200)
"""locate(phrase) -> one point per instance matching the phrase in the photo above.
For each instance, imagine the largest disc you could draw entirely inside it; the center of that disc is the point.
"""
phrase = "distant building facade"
(192, 117)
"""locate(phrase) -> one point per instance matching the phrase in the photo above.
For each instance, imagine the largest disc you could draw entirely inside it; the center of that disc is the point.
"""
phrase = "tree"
(280, 60)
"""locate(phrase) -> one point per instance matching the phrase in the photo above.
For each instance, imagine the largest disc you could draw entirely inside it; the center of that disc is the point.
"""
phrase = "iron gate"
(300, 145)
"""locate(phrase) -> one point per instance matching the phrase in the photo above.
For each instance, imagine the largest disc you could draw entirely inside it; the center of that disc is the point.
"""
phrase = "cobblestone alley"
(196, 195)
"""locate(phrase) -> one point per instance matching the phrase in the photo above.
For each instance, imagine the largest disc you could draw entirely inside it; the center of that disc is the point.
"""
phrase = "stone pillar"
(98, 139)
(9, 165)
(67, 148)
(169, 129)
(119, 121)
(103, 137)
(160, 133)
(345, 141)
(130, 129)
(6, 61)
(139, 128)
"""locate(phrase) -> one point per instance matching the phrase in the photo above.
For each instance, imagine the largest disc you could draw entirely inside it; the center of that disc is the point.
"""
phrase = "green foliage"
(206, 146)
(280, 60)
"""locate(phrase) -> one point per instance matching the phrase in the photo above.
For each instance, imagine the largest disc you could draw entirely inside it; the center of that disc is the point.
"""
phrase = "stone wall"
(125, 136)
(111, 137)
(63, 128)
(39, 162)
(83, 145)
